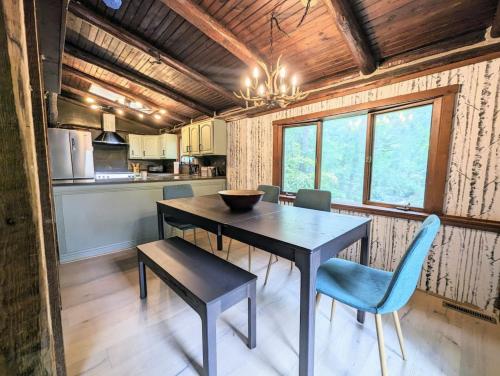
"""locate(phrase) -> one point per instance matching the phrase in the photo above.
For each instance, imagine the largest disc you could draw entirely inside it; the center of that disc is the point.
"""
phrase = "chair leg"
(381, 349)
(318, 299)
(183, 234)
(268, 267)
(229, 249)
(291, 265)
(194, 235)
(332, 310)
(249, 258)
(210, 243)
(400, 333)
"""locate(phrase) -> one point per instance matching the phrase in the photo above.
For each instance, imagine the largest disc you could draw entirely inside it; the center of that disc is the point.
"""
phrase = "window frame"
(443, 104)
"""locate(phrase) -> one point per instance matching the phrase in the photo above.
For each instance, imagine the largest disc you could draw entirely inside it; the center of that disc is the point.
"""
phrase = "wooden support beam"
(27, 345)
(100, 101)
(495, 27)
(122, 91)
(353, 34)
(137, 78)
(86, 14)
(198, 17)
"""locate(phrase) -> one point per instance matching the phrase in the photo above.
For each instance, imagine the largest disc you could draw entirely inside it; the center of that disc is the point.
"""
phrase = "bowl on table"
(241, 199)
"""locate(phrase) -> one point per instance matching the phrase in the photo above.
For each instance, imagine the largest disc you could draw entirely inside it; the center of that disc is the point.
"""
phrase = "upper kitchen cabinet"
(151, 147)
(168, 146)
(207, 137)
(134, 146)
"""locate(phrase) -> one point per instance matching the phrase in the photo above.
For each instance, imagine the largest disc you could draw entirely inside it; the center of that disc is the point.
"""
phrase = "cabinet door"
(194, 139)
(151, 147)
(168, 143)
(134, 146)
(185, 140)
(207, 138)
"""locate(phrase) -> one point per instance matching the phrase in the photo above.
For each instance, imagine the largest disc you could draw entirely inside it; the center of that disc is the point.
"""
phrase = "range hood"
(109, 135)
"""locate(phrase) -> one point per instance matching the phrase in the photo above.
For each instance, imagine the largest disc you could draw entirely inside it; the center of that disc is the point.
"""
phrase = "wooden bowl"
(241, 200)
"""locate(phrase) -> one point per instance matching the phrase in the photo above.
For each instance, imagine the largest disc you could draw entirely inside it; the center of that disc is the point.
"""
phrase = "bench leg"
(252, 318)
(142, 280)
(209, 343)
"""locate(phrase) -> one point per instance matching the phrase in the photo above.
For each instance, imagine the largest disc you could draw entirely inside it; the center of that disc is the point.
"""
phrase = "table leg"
(142, 280)
(252, 317)
(219, 238)
(161, 234)
(364, 258)
(308, 265)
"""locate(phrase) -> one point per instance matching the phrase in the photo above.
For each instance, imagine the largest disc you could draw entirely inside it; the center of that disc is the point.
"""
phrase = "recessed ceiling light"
(94, 107)
(136, 105)
(141, 116)
(89, 100)
(163, 112)
(119, 111)
(157, 116)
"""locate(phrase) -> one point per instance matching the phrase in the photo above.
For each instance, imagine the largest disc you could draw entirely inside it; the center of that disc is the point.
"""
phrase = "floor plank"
(108, 330)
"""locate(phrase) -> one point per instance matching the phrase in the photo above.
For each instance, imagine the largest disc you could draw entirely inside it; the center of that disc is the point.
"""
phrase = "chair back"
(177, 191)
(272, 193)
(313, 199)
(405, 278)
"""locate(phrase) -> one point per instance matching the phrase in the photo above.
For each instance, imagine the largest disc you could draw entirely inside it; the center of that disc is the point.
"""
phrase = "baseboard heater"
(470, 312)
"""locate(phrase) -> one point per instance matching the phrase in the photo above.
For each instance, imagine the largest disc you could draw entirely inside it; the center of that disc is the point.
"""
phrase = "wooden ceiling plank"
(137, 78)
(354, 36)
(122, 91)
(125, 36)
(495, 27)
(203, 21)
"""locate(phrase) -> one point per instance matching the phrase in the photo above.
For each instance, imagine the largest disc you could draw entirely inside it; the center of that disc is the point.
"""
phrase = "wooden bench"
(207, 283)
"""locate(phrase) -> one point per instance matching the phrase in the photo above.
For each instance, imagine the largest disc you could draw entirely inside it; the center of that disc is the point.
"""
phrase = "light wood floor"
(108, 330)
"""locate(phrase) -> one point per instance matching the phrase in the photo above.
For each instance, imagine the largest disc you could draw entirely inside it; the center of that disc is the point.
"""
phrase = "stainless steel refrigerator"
(71, 154)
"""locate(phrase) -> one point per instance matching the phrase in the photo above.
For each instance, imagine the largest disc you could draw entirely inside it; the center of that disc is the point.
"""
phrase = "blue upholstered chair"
(182, 191)
(271, 194)
(310, 199)
(377, 291)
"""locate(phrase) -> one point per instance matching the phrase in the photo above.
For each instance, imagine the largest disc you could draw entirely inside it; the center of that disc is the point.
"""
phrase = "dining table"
(305, 236)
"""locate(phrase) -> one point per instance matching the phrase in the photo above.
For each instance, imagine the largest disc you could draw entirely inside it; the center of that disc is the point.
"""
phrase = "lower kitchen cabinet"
(97, 219)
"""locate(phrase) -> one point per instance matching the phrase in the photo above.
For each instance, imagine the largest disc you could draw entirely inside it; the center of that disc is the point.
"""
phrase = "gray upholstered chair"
(272, 194)
(310, 199)
(182, 191)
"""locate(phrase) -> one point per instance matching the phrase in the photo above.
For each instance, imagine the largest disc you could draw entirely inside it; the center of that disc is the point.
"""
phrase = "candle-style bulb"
(261, 90)
(283, 89)
(294, 80)
(248, 83)
(256, 73)
(282, 72)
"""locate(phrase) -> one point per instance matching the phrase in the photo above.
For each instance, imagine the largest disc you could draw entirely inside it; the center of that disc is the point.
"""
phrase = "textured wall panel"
(464, 264)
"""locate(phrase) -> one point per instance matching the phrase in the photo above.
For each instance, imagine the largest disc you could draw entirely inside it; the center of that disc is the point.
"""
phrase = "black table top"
(297, 227)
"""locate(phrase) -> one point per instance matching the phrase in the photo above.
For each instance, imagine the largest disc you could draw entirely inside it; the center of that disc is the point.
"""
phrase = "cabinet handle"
(200, 148)
(163, 152)
(144, 153)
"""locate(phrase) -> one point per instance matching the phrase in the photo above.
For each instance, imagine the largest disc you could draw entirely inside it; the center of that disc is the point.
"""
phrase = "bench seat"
(209, 284)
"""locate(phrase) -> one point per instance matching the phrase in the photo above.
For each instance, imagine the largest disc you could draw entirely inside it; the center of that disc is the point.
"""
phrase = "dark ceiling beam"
(123, 91)
(199, 18)
(349, 27)
(108, 105)
(495, 27)
(118, 32)
(137, 78)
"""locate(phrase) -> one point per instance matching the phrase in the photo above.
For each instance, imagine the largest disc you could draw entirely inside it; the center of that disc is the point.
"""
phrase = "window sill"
(474, 223)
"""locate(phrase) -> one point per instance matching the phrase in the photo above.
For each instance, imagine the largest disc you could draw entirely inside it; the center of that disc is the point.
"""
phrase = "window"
(299, 157)
(391, 153)
(343, 157)
(400, 156)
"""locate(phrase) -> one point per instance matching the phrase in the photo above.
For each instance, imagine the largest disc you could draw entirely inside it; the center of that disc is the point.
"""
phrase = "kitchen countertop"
(152, 178)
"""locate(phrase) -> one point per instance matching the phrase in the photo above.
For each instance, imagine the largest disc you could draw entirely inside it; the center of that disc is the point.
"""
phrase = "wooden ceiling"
(190, 66)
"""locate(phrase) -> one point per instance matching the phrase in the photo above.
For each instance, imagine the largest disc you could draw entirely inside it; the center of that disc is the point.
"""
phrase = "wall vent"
(470, 312)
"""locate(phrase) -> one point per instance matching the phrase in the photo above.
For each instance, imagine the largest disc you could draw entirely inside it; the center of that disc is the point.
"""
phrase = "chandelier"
(276, 89)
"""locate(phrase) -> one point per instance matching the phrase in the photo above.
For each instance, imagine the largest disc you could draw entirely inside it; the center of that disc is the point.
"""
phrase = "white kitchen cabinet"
(194, 139)
(135, 146)
(151, 147)
(207, 137)
(168, 146)
(185, 140)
